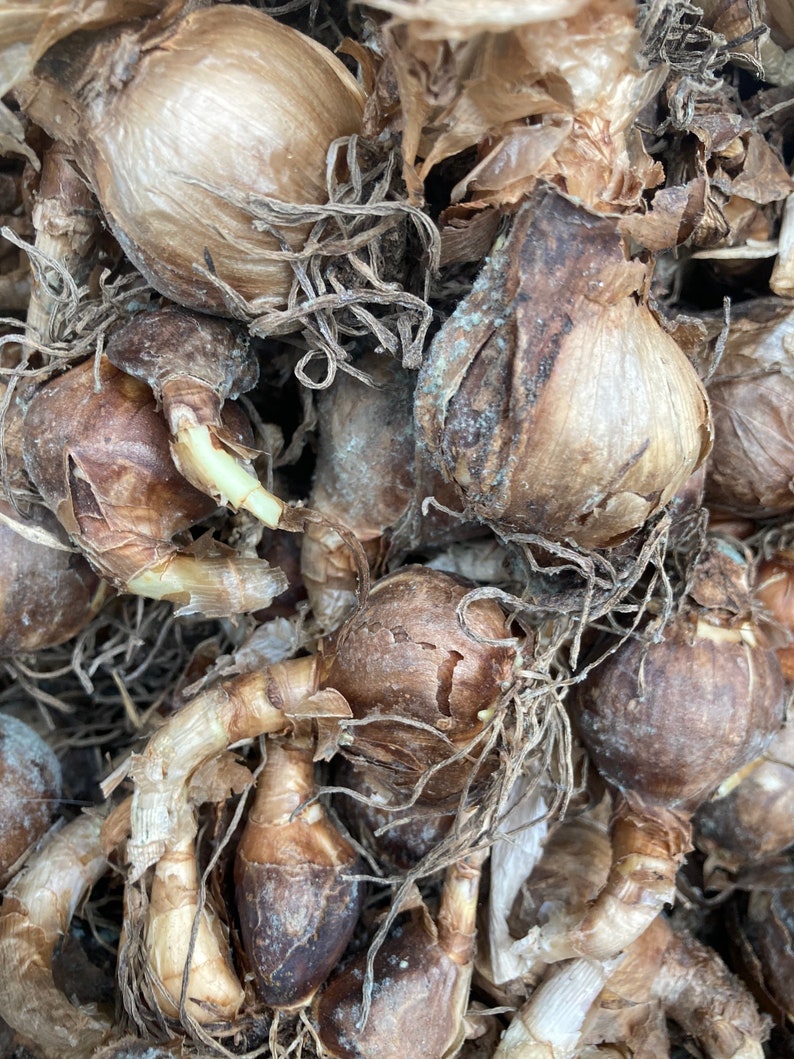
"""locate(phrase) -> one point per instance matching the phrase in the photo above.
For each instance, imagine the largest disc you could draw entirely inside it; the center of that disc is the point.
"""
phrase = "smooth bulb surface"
(230, 108)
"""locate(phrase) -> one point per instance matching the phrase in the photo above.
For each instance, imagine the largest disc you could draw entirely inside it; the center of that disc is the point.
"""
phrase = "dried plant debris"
(506, 355)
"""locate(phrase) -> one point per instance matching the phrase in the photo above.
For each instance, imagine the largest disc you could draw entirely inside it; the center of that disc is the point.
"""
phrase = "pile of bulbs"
(476, 739)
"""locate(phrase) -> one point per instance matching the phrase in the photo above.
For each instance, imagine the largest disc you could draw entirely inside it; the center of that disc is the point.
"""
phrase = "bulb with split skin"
(407, 657)
(100, 458)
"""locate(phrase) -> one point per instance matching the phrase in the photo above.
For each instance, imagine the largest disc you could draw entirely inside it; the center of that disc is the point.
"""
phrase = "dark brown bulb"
(296, 900)
(30, 786)
(406, 656)
(755, 818)
(400, 839)
(422, 974)
(671, 720)
(47, 594)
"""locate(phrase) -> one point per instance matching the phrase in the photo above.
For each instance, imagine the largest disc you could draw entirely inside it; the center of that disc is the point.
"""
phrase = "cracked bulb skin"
(404, 659)
(553, 398)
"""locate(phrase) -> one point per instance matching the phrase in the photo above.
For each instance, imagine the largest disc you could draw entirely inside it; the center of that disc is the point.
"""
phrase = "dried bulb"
(48, 592)
(422, 974)
(770, 931)
(671, 719)
(224, 107)
(665, 722)
(101, 460)
(422, 679)
(296, 900)
(399, 838)
(553, 398)
(30, 786)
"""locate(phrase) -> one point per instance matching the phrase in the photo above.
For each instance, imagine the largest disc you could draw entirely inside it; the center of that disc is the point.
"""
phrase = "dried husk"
(36, 912)
(213, 112)
(552, 398)
(751, 468)
(544, 92)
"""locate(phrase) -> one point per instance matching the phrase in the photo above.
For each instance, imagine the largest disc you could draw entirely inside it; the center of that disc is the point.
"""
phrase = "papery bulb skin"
(770, 930)
(296, 900)
(30, 786)
(552, 397)
(775, 591)
(101, 460)
(750, 471)
(406, 657)
(225, 107)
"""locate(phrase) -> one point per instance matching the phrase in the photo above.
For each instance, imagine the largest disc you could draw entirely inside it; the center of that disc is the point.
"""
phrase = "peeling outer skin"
(37, 910)
(648, 847)
(241, 708)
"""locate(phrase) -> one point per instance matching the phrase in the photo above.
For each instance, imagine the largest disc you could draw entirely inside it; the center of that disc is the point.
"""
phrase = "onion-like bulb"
(666, 722)
(552, 397)
(424, 682)
(181, 129)
(30, 786)
(422, 974)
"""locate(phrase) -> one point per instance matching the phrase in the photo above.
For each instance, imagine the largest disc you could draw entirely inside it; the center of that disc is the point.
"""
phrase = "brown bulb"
(214, 113)
(400, 839)
(751, 468)
(754, 819)
(670, 720)
(296, 902)
(552, 398)
(30, 786)
(100, 458)
(406, 656)
(422, 974)
(47, 594)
